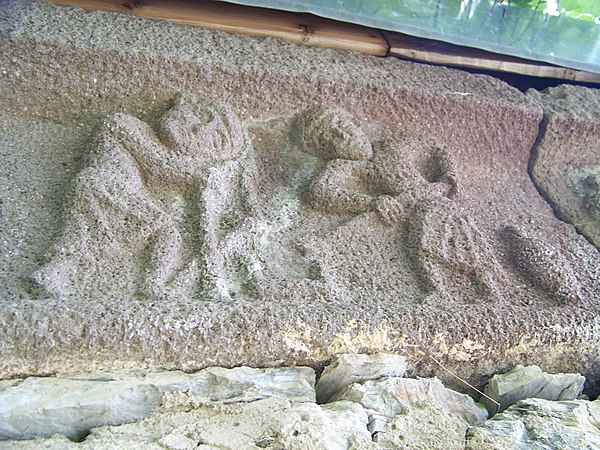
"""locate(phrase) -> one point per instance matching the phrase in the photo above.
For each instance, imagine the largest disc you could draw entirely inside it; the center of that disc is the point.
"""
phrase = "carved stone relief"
(203, 208)
(153, 212)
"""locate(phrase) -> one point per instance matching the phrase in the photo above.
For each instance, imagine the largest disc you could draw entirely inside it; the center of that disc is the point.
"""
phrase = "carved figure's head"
(202, 129)
(331, 133)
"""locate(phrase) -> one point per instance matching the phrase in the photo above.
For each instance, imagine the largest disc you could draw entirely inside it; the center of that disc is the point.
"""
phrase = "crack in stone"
(542, 127)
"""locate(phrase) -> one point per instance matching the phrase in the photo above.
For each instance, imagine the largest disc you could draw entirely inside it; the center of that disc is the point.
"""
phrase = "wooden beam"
(103, 5)
(303, 29)
(435, 52)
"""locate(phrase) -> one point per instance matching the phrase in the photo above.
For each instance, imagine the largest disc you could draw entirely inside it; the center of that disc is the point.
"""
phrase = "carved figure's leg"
(448, 246)
(164, 248)
(544, 266)
(422, 261)
(338, 188)
(80, 244)
(56, 276)
(469, 254)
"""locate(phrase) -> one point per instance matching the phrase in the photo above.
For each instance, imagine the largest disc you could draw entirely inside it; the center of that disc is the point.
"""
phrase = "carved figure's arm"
(394, 208)
(157, 162)
(447, 171)
(332, 189)
(113, 182)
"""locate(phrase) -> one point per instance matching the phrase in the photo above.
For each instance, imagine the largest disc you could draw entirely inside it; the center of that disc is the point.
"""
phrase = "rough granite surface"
(292, 203)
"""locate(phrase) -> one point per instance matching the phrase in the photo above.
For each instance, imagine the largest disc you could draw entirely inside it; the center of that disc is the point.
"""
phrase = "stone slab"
(72, 405)
(473, 308)
(530, 382)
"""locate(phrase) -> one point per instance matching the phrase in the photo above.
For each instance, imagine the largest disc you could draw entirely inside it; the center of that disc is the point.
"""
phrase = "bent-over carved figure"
(132, 203)
(443, 240)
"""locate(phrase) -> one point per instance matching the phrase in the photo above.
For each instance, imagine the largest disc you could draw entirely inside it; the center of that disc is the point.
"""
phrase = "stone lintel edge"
(191, 336)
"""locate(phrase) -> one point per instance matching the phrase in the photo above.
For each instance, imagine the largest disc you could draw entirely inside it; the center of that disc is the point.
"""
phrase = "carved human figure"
(445, 242)
(130, 204)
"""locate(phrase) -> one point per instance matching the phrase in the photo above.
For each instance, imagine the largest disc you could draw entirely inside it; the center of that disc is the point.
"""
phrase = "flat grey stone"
(346, 369)
(73, 405)
(527, 382)
(538, 424)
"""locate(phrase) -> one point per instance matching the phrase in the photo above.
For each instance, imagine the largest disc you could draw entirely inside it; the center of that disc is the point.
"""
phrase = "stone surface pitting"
(398, 238)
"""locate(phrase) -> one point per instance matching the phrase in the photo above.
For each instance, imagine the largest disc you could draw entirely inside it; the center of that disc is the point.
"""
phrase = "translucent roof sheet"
(486, 24)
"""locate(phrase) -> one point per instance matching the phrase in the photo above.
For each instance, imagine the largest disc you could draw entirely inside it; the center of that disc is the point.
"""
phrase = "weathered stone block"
(175, 198)
(346, 369)
(527, 382)
(566, 159)
(538, 424)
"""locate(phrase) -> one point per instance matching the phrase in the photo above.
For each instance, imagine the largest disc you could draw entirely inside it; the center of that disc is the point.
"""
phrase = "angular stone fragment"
(409, 413)
(73, 405)
(353, 368)
(46, 406)
(527, 382)
(539, 424)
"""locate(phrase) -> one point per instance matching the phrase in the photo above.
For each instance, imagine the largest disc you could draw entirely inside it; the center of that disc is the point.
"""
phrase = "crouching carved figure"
(442, 239)
(148, 211)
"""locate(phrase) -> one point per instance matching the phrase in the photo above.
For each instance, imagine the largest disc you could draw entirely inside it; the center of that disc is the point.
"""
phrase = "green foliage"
(575, 9)
(567, 35)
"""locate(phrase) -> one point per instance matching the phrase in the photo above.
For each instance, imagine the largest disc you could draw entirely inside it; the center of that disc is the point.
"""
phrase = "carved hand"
(390, 209)
(451, 180)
